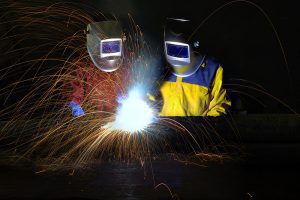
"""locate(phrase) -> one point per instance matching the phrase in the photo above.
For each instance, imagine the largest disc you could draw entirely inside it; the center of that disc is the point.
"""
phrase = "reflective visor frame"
(114, 52)
(184, 46)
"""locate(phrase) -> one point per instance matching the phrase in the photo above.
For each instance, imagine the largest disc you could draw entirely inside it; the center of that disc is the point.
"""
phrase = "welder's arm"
(74, 92)
(76, 85)
(218, 101)
(155, 99)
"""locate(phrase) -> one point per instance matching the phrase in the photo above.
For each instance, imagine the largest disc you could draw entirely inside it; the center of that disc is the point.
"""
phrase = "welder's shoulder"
(206, 72)
(84, 65)
(210, 64)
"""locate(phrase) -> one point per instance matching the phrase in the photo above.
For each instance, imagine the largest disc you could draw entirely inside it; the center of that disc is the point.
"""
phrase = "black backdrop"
(239, 35)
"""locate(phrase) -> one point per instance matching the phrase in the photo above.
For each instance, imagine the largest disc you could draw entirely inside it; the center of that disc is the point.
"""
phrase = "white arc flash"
(134, 114)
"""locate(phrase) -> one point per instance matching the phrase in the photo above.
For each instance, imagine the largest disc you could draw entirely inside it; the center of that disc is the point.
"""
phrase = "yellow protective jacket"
(200, 94)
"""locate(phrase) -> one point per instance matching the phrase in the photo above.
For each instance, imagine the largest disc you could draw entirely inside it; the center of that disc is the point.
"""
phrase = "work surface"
(122, 181)
(269, 169)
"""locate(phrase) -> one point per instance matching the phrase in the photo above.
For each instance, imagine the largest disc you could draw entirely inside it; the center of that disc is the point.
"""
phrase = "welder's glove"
(155, 100)
(76, 109)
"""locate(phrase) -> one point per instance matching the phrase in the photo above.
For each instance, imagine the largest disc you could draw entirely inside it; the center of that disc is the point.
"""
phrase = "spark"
(54, 138)
(134, 114)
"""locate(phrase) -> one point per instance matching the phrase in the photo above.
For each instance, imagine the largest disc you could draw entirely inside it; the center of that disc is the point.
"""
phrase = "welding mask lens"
(111, 47)
(179, 51)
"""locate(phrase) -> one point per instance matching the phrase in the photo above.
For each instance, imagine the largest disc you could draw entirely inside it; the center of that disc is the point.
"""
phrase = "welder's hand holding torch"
(77, 110)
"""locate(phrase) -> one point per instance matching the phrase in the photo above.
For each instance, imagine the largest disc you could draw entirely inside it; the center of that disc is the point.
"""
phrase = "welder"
(98, 79)
(195, 84)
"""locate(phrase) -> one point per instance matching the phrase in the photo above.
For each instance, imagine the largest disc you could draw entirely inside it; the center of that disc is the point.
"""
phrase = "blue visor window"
(111, 47)
(179, 51)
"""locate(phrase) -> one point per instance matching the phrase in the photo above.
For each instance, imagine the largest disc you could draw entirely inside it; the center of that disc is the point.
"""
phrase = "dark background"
(243, 40)
(239, 35)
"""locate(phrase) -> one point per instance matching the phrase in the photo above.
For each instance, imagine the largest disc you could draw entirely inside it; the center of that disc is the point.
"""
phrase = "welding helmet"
(105, 44)
(179, 48)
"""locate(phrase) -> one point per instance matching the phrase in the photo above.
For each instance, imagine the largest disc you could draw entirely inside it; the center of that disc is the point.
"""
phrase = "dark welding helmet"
(105, 44)
(178, 48)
